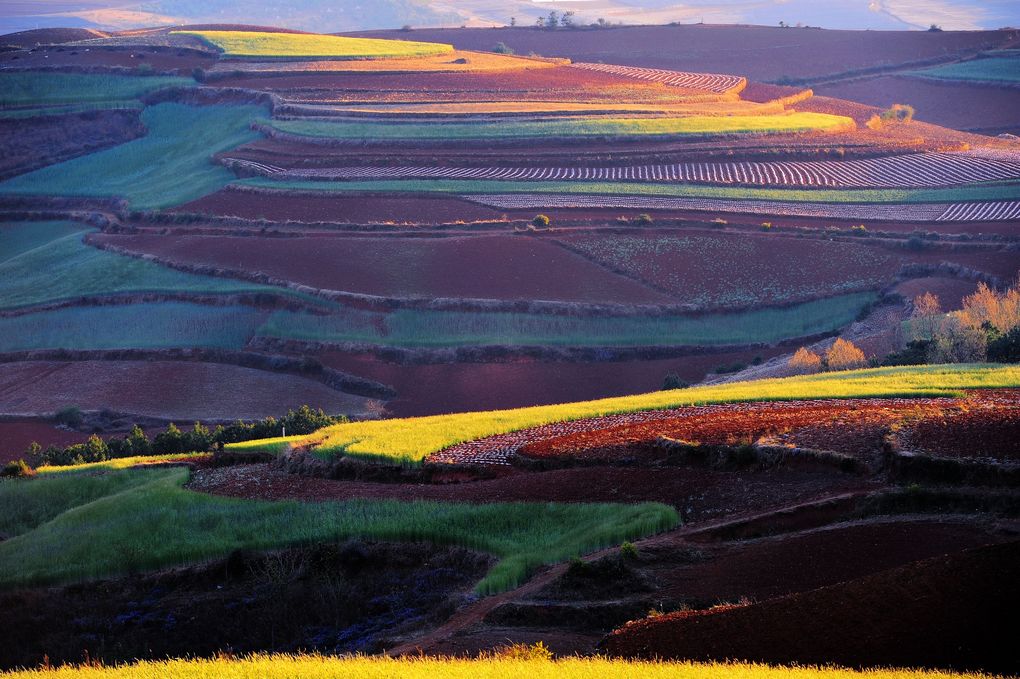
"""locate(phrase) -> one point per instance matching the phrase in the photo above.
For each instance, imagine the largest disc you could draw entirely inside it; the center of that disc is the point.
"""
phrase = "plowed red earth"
(339, 209)
(519, 383)
(758, 52)
(502, 267)
(981, 432)
(17, 435)
(947, 611)
(853, 427)
(957, 105)
(165, 389)
(698, 494)
(99, 58)
(777, 566)
(560, 83)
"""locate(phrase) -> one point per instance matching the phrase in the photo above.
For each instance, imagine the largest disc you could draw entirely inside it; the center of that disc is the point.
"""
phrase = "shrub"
(70, 416)
(644, 219)
(844, 355)
(169, 442)
(897, 113)
(628, 550)
(766, 226)
(915, 353)
(17, 469)
(502, 48)
(673, 381)
(540, 221)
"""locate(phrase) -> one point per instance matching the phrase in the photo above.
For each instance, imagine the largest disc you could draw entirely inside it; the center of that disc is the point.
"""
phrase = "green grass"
(304, 45)
(576, 127)
(994, 69)
(44, 88)
(998, 191)
(64, 109)
(139, 520)
(267, 666)
(409, 441)
(417, 328)
(53, 264)
(169, 166)
(132, 326)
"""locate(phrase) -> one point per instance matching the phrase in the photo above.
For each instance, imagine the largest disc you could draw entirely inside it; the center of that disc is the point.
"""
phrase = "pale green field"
(997, 191)
(69, 527)
(305, 45)
(35, 88)
(992, 69)
(577, 127)
(409, 441)
(424, 667)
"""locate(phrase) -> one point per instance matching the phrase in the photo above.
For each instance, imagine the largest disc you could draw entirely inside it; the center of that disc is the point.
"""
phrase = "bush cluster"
(173, 440)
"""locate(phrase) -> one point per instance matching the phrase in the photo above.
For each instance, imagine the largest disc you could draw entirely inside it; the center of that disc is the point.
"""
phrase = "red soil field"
(487, 266)
(16, 435)
(731, 269)
(461, 387)
(853, 427)
(960, 106)
(757, 52)
(340, 209)
(99, 58)
(950, 291)
(698, 493)
(777, 566)
(183, 391)
(982, 432)
(557, 82)
(947, 611)
(48, 36)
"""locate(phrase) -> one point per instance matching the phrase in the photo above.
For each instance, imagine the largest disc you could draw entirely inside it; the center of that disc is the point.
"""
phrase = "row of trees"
(173, 440)
(555, 20)
(842, 355)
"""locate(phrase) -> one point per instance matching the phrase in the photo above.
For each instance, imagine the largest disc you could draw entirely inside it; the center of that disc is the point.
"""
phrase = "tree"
(674, 381)
(553, 20)
(844, 355)
(804, 362)
(1000, 310)
(926, 316)
(567, 20)
(169, 442)
(513, 21)
(139, 442)
(958, 342)
(540, 221)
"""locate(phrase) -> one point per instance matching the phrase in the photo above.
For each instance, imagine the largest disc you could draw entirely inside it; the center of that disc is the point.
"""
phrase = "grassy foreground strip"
(36, 88)
(1003, 191)
(270, 45)
(182, 138)
(374, 667)
(579, 127)
(409, 441)
(70, 526)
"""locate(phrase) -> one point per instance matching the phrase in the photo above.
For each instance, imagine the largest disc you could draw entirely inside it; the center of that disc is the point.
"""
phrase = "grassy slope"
(54, 264)
(181, 138)
(993, 69)
(275, 45)
(410, 440)
(1004, 191)
(46, 89)
(425, 667)
(416, 328)
(136, 520)
(132, 326)
(580, 127)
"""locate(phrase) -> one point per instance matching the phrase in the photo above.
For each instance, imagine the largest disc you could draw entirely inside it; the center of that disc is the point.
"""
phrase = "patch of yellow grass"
(510, 107)
(410, 440)
(291, 45)
(125, 462)
(366, 667)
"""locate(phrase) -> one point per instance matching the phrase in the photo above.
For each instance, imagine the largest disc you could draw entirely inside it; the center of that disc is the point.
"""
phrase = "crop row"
(711, 82)
(903, 171)
(895, 212)
(981, 212)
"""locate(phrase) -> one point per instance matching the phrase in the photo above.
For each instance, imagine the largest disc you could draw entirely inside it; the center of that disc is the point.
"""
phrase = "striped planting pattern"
(708, 82)
(916, 170)
(920, 212)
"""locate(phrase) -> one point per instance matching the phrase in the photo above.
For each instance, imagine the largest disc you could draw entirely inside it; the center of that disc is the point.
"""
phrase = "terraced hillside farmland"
(427, 348)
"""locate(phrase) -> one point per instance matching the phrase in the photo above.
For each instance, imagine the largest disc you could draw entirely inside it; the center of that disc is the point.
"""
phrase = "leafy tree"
(552, 21)
(169, 442)
(844, 355)
(804, 362)
(139, 442)
(926, 316)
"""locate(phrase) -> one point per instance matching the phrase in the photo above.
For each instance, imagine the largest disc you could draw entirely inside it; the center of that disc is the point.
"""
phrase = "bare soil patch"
(184, 391)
